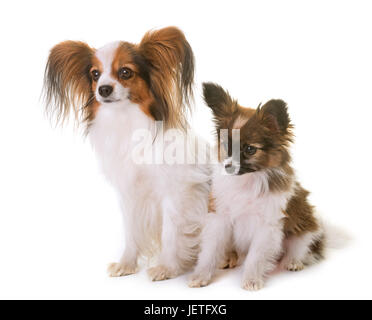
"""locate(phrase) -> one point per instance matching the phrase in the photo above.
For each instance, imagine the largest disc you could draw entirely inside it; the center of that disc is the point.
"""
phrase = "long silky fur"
(67, 85)
(172, 73)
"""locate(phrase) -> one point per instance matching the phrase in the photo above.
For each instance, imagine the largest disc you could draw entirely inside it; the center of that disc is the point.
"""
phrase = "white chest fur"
(111, 135)
(249, 204)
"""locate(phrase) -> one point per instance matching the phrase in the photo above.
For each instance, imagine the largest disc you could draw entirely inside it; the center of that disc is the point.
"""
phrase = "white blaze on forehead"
(106, 56)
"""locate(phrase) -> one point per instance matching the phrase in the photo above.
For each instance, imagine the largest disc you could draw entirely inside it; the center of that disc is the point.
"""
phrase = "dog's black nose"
(105, 91)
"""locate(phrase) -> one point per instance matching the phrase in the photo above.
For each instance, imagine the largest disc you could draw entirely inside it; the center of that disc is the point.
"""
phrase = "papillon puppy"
(120, 90)
(261, 212)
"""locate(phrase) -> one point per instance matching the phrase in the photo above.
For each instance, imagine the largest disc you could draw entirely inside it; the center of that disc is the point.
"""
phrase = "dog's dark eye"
(249, 150)
(125, 73)
(95, 75)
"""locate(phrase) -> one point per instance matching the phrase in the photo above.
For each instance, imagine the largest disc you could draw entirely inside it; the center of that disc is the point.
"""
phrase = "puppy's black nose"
(105, 91)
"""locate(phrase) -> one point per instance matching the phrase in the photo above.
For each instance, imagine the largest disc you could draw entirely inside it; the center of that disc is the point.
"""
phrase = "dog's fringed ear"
(274, 116)
(171, 60)
(67, 84)
(222, 105)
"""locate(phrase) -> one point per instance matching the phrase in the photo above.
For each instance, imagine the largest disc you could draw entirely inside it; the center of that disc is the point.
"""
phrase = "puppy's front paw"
(160, 273)
(120, 270)
(294, 266)
(253, 284)
(198, 281)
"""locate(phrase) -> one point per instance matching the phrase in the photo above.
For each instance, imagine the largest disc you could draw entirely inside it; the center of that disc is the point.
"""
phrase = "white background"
(59, 221)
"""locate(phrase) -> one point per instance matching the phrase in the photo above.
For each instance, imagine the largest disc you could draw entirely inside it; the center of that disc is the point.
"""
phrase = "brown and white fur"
(261, 212)
(117, 90)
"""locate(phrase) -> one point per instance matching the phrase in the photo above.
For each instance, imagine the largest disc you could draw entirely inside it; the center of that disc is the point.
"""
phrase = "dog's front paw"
(294, 266)
(120, 269)
(253, 284)
(198, 281)
(160, 273)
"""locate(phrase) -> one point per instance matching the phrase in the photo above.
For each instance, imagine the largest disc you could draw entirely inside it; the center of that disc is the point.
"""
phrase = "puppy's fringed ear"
(171, 60)
(222, 105)
(67, 84)
(275, 117)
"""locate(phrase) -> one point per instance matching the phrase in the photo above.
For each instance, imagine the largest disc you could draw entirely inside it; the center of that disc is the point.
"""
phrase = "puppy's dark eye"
(95, 75)
(125, 73)
(249, 150)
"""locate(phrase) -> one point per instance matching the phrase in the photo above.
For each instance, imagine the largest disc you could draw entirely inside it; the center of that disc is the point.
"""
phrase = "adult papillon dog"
(119, 91)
